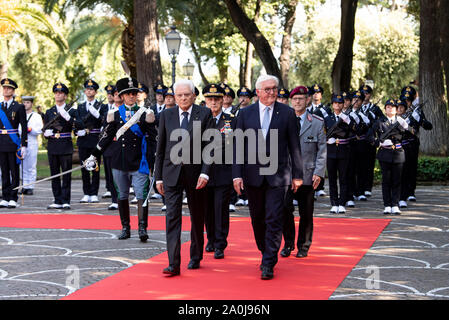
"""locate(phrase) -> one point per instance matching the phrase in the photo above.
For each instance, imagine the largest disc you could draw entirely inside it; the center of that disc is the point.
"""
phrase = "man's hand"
(81, 133)
(315, 181)
(238, 186)
(48, 133)
(160, 188)
(201, 183)
(296, 183)
(23, 152)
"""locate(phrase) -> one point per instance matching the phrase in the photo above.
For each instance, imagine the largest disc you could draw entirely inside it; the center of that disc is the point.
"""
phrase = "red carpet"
(338, 246)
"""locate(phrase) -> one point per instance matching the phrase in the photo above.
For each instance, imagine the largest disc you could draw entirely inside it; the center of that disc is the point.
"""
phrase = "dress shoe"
(209, 247)
(93, 199)
(172, 271)
(12, 204)
(350, 204)
(54, 206)
(231, 208)
(184, 201)
(164, 208)
(411, 198)
(219, 254)
(286, 252)
(156, 196)
(113, 206)
(267, 273)
(395, 210)
(402, 204)
(134, 200)
(334, 210)
(4, 204)
(368, 193)
(240, 203)
(85, 199)
(301, 254)
(125, 234)
(107, 194)
(341, 210)
(362, 198)
(193, 265)
(387, 210)
(321, 193)
(66, 206)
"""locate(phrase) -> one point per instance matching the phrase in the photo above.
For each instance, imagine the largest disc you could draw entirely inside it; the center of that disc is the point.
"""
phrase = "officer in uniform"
(110, 105)
(89, 118)
(228, 98)
(58, 124)
(244, 95)
(372, 110)
(109, 95)
(12, 146)
(34, 128)
(338, 133)
(129, 163)
(283, 95)
(313, 152)
(411, 143)
(387, 134)
(350, 174)
(159, 91)
(220, 185)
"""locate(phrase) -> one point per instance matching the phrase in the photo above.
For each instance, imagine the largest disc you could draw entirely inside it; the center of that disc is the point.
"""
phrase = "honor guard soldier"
(411, 143)
(350, 174)
(255, 96)
(220, 186)
(338, 134)
(13, 147)
(34, 128)
(244, 95)
(312, 139)
(283, 95)
(89, 118)
(317, 108)
(109, 95)
(110, 105)
(129, 163)
(58, 126)
(159, 91)
(387, 134)
(228, 98)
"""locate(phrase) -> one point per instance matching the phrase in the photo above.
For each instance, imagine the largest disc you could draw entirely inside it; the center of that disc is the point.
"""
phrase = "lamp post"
(173, 40)
(188, 69)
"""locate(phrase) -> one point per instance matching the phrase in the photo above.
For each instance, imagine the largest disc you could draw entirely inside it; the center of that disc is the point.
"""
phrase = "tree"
(431, 84)
(342, 65)
(289, 21)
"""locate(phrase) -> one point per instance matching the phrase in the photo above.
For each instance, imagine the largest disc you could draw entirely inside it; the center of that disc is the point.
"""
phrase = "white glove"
(23, 152)
(48, 133)
(345, 118)
(93, 111)
(416, 116)
(81, 133)
(402, 122)
(150, 118)
(364, 118)
(331, 141)
(355, 117)
(387, 143)
(90, 163)
(64, 114)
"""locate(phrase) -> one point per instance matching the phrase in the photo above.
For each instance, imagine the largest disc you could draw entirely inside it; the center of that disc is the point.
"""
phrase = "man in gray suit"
(313, 152)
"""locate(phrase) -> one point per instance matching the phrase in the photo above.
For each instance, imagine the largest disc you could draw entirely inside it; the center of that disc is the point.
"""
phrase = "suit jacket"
(221, 174)
(59, 146)
(85, 120)
(164, 169)
(17, 116)
(313, 147)
(289, 163)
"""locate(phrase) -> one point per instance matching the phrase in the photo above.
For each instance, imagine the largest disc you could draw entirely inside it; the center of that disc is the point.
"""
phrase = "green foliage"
(434, 169)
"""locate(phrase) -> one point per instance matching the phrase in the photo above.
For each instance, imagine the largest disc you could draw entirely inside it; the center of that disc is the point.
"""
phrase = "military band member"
(34, 127)
(88, 123)
(220, 187)
(283, 95)
(58, 126)
(338, 133)
(129, 163)
(313, 151)
(12, 146)
(387, 134)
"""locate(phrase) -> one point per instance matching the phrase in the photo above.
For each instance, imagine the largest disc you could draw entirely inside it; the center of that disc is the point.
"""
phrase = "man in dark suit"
(60, 146)
(219, 187)
(12, 147)
(88, 122)
(182, 169)
(266, 184)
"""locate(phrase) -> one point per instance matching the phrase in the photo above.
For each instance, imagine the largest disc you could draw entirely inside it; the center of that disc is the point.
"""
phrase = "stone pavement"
(410, 259)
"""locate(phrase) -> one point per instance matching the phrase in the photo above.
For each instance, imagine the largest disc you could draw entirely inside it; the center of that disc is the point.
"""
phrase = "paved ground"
(410, 259)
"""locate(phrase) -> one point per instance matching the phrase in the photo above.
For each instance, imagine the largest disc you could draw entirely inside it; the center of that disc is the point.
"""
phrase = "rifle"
(84, 119)
(390, 132)
(49, 124)
(335, 126)
(237, 108)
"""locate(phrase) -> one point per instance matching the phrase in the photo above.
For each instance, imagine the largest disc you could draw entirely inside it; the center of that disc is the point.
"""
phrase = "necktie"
(185, 120)
(216, 120)
(266, 122)
(299, 123)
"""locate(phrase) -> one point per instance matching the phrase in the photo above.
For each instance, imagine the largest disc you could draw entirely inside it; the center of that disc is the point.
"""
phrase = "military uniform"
(12, 146)
(60, 149)
(89, 118)
(129, 163)
(158, 108)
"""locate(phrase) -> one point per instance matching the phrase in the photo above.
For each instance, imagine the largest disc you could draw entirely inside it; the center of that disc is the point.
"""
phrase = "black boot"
(142, 213)
(123, 207)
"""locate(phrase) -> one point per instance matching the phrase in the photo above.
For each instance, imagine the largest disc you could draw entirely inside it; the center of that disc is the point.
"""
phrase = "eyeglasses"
(269, 90)
(298, 98)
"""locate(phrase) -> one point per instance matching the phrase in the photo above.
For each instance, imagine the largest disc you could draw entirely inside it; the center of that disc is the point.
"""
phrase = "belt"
(395, 146)
(93, 131)
(361, 137)
(9, 131)
(340, 141)
(61, 135)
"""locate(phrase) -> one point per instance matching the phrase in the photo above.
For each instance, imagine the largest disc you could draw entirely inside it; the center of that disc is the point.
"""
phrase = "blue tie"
(185, 120)
(266, 122)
